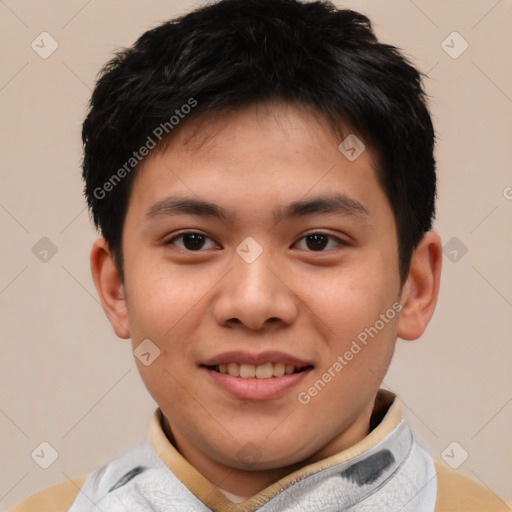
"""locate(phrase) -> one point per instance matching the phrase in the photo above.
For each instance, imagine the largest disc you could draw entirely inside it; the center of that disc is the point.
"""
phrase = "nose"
(256, 295)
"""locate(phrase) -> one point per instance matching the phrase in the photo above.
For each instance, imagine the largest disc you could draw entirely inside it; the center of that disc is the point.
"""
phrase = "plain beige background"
(64, 376)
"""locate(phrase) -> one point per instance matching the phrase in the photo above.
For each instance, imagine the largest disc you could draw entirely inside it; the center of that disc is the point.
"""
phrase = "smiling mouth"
(261, 371)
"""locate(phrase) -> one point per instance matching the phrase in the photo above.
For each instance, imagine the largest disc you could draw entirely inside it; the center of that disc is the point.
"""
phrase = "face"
(252, 245)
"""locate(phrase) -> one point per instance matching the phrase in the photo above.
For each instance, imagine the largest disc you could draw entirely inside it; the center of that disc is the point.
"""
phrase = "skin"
(194, 304)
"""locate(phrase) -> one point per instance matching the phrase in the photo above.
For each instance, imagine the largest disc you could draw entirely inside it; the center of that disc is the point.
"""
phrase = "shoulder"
(457, 492)
(57, 498)
(114, 474)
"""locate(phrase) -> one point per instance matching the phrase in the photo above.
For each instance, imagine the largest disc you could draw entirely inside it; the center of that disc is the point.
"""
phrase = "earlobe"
(109, 287)
(419, 294)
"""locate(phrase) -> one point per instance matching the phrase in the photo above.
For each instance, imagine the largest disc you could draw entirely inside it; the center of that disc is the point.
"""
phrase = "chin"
(251, 457)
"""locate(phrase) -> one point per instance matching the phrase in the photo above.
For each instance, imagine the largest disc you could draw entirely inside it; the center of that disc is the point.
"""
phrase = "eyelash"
(179, 235)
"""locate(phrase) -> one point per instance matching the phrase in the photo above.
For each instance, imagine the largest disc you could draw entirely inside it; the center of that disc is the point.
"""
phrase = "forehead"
(255, 156)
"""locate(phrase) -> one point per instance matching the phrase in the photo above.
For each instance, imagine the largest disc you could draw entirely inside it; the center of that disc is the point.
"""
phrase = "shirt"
(387, 471)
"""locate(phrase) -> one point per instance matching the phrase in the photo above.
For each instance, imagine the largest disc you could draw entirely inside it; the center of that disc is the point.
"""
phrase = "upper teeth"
(261, 371)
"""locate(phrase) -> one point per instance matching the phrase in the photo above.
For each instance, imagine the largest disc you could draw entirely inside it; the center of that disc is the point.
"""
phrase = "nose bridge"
(252, 270)
(254, 292)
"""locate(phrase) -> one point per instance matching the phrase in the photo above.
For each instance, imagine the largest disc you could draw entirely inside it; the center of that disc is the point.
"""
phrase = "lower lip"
(256, 389)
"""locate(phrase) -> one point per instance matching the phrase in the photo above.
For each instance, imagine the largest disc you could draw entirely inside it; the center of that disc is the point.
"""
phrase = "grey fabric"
(396, 475)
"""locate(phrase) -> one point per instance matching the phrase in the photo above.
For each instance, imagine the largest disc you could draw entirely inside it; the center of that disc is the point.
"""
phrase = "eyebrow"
(338, 203)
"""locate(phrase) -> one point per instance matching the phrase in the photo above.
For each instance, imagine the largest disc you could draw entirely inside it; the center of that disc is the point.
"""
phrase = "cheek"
(160, 296)
(347, 301)
(359, 324)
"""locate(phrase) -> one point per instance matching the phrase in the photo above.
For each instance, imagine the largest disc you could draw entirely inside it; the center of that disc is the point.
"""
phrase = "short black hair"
(235, 53)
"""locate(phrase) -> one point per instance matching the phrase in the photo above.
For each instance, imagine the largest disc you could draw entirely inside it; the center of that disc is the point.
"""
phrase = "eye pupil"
(193, 240)
(318, 241)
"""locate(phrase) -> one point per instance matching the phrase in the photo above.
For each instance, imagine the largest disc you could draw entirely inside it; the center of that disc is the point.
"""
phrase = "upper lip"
(241, 357)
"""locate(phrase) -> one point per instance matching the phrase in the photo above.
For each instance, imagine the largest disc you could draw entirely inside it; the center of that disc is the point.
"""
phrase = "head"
(230, 123)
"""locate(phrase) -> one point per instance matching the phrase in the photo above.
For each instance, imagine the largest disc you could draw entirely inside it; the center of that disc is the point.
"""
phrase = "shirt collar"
(386, 417)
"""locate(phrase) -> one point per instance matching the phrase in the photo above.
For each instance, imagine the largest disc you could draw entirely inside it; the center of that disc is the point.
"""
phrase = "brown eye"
(191, 241)
(317, 242)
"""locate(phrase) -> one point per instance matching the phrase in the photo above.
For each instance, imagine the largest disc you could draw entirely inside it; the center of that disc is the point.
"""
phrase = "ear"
(420, 291)
(109, 287)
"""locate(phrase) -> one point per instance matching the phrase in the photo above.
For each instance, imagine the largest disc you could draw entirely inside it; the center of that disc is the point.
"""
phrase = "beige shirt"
(456, 492)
